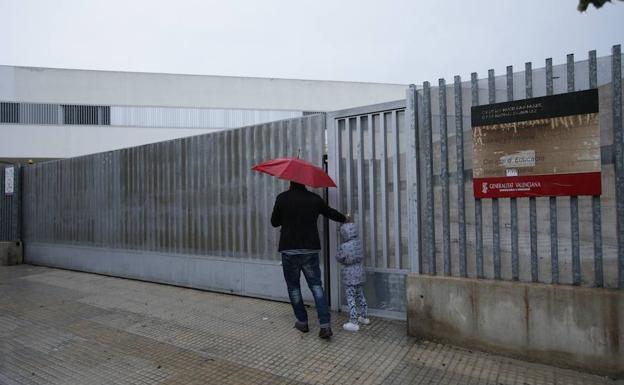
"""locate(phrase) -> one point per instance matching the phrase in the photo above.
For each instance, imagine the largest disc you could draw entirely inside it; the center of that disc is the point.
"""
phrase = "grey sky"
(398, 41)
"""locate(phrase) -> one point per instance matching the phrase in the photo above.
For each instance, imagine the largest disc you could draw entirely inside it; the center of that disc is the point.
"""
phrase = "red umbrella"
(296, 170)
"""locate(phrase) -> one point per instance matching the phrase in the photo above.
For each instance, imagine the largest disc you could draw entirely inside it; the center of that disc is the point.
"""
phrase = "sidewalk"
(64, 327)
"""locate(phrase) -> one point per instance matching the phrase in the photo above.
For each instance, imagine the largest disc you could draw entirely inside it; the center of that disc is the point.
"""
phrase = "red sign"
(538, 185)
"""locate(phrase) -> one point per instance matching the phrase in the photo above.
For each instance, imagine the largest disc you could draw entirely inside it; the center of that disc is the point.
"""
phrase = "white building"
(56, 113)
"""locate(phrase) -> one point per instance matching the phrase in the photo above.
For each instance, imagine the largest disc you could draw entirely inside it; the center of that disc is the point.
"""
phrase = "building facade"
(48, 113)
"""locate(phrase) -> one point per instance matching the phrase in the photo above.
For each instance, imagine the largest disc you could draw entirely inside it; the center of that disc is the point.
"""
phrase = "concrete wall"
(575, 327)
(49, 85)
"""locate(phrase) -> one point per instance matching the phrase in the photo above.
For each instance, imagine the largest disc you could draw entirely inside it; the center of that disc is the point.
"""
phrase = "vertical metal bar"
(224, 184)
(178, 188)
(515, 275)
(334, 161)
(474, 87)
(383, 154)
(549, 77)
(360, 178)
(186, 214)
(246, 152)
(574, 216)
(495, 203)
(372, 183)
(552, 204)
(202, 195)
(348, 165)
(413, 182)
(152, 222)
(338, 161)
(459, 155)
(213, 179)
(219, 183)
(428, 155)
(171, 201)
(266, 205)
(198, 195)
(396, 191)
(233, 176)
(444, 179)
(249, 150)
(160, 160)
(596, 209)
(193, 195)
(618, 139)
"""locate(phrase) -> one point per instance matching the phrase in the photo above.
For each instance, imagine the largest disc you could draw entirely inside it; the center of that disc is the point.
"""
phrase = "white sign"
(9, 174)
(524, 158)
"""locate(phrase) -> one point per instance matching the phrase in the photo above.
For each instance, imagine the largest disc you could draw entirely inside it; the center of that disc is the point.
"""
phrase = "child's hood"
(348, 231)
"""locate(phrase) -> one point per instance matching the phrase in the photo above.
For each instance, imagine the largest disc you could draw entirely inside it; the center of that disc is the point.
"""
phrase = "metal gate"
(188, 212)
(405, 172)
(368, 159)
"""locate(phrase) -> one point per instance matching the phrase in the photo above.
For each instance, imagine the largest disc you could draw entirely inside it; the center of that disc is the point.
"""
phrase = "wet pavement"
(66, 327)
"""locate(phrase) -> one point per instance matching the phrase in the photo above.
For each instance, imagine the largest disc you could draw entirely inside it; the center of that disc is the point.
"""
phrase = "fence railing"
(574, 240)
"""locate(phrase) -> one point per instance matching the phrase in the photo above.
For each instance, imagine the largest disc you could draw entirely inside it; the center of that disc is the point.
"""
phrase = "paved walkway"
(63, 327)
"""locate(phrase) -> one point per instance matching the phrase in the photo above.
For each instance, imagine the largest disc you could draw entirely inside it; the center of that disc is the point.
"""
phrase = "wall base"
(11, 253)
(575, 327)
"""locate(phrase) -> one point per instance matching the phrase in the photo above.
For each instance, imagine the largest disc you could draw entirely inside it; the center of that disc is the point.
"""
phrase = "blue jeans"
(292, 266)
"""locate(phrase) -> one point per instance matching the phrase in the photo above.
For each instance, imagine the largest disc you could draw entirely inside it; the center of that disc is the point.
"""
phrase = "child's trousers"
(355, 296)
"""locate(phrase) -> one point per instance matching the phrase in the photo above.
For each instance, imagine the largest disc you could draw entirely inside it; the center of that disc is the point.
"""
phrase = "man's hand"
(349, 218)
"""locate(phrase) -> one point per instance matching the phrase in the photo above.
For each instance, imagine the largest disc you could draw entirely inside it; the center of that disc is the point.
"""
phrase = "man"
(296, 211)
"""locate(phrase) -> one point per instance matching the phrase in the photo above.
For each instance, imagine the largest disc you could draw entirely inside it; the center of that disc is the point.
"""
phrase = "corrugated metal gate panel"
(188, 211)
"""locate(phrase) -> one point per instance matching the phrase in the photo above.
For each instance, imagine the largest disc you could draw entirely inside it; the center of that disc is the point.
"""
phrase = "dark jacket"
(297, 211)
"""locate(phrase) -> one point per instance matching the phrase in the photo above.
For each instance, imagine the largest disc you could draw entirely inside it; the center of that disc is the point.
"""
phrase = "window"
(93, 115)
(9, 112)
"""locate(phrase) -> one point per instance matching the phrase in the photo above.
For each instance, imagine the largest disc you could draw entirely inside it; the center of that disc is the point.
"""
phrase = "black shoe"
(302, 326)
(325, 333)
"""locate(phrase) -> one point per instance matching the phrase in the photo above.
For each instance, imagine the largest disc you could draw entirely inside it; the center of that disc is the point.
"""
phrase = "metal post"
(515, 275)
(574, 217)
(474, 82)
(461, 200)
(596, 209)
(618, 142)
(413, 180)
(428, 155)
(495, 204)
(444, 179)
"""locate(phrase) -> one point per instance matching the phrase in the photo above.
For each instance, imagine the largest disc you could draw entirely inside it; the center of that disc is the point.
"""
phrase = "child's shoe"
(351, 326)
(364, 321)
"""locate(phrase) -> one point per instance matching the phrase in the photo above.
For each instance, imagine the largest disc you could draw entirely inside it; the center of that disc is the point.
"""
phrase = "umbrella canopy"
(296, 170)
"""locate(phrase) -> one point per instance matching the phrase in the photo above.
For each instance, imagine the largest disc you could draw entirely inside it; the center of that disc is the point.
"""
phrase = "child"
(353, 275)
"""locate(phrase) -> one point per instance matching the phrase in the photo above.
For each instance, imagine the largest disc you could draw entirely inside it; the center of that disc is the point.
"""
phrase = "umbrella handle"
(299, 153)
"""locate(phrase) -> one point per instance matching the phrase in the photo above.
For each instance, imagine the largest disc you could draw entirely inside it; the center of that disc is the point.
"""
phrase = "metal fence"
(190, 197)
(10, 215)
(405, 172)
(571, 240)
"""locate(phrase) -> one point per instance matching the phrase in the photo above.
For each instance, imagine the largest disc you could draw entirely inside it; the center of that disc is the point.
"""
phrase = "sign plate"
(9, 180)
(548, 146)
